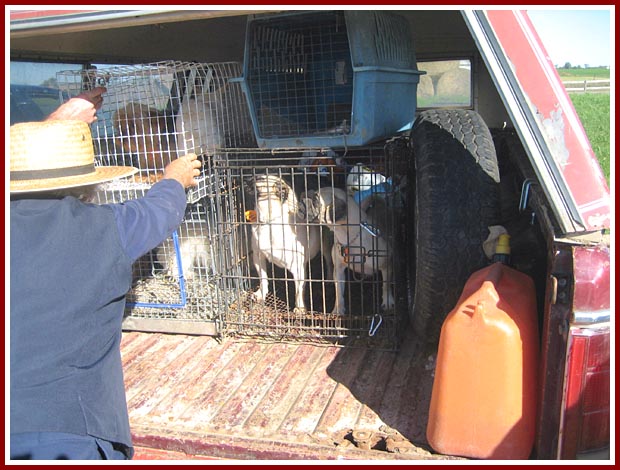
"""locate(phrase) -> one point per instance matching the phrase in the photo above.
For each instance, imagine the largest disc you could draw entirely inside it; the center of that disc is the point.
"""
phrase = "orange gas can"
(484, 398)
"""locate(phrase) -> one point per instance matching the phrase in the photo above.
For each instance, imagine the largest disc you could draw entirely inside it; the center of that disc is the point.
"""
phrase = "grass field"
(593, 110)
(592, 73)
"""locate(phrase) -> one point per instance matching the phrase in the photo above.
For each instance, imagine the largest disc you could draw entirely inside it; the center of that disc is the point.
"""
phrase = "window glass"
(446, 84)
(34, 90)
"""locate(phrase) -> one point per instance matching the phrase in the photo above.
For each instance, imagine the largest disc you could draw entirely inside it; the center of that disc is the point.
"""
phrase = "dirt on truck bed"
(193, 397)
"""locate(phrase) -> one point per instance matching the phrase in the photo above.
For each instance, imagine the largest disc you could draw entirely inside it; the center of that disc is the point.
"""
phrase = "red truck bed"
(195, 397)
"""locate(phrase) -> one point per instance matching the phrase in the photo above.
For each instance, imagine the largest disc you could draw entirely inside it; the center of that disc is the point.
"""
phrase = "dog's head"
(326, 206)
(268, 187)
(266, 193)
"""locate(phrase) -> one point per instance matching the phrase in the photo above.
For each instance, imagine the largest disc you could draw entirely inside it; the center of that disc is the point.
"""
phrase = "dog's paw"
(338, 311)
(388, 304)
(300, 310)
(258, 295)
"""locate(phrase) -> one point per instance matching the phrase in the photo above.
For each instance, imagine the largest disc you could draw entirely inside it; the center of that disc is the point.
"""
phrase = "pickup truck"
(209, 387)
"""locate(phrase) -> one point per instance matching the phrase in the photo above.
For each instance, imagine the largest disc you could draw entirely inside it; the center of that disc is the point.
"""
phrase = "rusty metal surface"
(195, 396)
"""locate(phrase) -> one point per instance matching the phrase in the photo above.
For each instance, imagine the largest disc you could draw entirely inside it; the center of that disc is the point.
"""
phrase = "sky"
(581, 37)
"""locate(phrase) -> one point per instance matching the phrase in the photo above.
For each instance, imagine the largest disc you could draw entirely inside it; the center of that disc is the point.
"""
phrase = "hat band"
(52, 173)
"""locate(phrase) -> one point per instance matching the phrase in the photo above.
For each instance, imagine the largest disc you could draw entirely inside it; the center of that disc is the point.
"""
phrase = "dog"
(143, 132)
(278, 237)
(194, 251)
(358, 242)
(200, 120)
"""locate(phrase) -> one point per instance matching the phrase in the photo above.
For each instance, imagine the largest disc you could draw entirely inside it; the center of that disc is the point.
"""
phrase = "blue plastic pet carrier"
(329, 79)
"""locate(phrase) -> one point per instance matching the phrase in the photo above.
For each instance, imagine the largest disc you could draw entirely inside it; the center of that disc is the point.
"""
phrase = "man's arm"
(146, 222)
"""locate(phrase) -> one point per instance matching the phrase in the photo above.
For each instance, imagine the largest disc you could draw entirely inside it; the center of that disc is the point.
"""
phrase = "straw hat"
(56, 155)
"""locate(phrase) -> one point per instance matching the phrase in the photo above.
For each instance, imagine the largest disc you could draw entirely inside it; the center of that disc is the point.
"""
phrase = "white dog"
(194, 251)
(358, 245)
(278, 237)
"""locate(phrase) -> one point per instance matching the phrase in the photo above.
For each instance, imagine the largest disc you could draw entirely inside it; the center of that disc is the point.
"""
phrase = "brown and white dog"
(142, 132)
(358, 245)
(278, 236)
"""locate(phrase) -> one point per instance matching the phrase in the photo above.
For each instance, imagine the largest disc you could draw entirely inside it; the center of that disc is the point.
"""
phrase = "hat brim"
(101, 175)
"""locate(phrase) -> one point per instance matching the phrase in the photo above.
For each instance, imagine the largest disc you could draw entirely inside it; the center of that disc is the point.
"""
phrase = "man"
(70, 268)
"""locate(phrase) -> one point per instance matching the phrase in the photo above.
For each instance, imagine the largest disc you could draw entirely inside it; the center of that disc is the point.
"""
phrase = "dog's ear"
(335, 212)
(248, 185)
(308, 207)
(282, 191)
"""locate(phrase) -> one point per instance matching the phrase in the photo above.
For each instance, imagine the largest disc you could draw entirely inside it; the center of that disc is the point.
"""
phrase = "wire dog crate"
(151, 114)
(283, 223)
(329, 79)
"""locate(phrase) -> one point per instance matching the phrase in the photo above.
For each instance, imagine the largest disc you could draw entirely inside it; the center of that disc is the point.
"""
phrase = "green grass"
(593, 110)
(591, 73)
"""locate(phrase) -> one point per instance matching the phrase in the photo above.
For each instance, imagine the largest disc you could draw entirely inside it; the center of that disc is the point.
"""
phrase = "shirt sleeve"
(146, 222)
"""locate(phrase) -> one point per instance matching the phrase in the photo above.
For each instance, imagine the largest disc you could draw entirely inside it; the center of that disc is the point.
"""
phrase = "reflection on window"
(446, 84)
(34, 90)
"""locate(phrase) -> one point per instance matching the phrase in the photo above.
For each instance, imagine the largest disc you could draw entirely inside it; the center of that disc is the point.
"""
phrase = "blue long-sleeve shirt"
(70, 268)
(144, 223)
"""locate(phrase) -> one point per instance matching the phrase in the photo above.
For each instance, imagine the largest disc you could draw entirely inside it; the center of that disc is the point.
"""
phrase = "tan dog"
(357, 244)
(278, 237)
(143, 132)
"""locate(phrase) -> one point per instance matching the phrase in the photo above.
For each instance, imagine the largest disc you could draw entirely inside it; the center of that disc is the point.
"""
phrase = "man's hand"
(184, 170)
(82, 107)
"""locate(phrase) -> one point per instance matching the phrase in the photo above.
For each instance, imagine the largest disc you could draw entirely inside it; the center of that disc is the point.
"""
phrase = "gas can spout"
(502, 249)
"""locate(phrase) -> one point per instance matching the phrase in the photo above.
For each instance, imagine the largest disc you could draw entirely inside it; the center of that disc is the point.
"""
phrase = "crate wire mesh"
(254, 175)
(151, 114)
(329, 79)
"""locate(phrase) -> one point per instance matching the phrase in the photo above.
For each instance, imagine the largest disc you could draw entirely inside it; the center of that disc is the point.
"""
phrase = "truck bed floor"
(197, 397)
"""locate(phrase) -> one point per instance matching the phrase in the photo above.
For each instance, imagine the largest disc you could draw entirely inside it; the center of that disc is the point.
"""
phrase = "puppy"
(194, 251)
(358, 244)
(143, 132)
(278, 237)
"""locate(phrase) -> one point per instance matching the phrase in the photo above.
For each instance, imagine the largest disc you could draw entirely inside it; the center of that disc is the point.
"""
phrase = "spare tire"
(453, 200)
